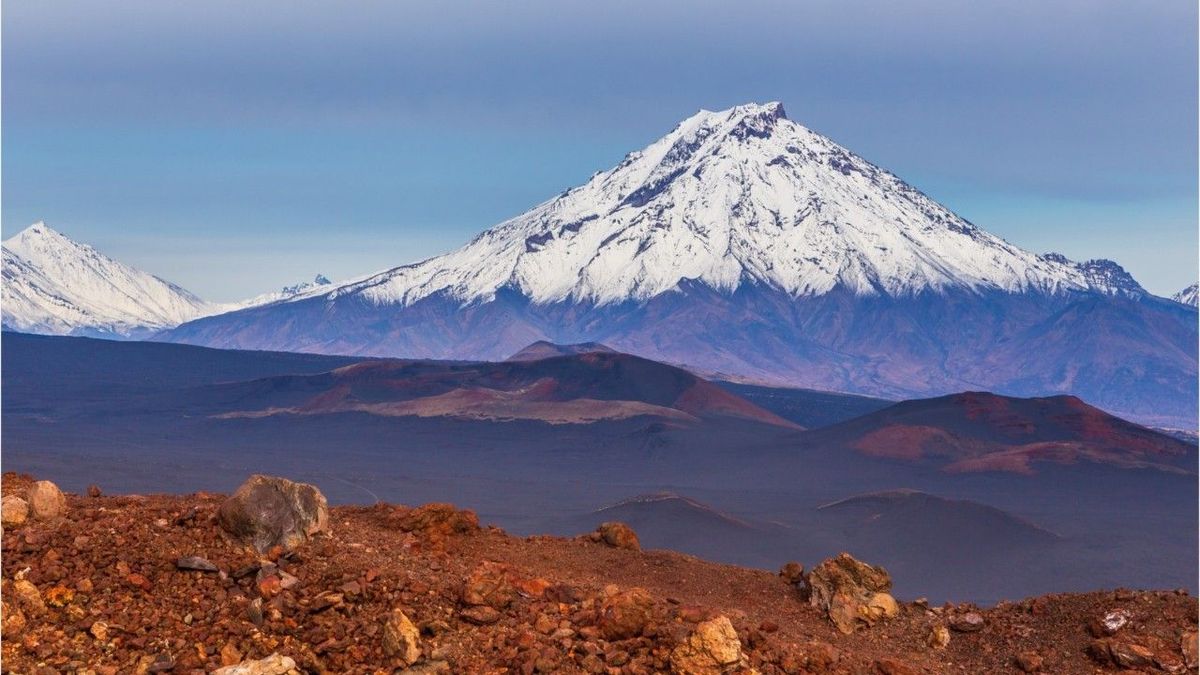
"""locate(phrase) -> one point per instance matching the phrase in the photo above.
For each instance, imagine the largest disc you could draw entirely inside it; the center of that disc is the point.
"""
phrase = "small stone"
(401, 639)
(488, 584)
(12, 620)
(139, 580)
(14, 511)
(325, 600)
(624, 614)
(1130, 655)
(970, 622)
(1030, 662)
(275, 664)
(254, 612)
(195, 563)
(59, 596)
(1190, 646)
(46, 501)
(99, 630)
(890, 666)
(711, 649)
(480, 615)
(94, 491)
(792, 573)
(230, 655)
(28, 597)
(1110, 623)
(618, 535)
(939, 637)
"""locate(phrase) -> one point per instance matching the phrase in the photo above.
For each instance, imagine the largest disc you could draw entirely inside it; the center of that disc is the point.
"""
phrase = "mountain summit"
(741, 196)
(53, 284)
(745, 244)
(58, 286)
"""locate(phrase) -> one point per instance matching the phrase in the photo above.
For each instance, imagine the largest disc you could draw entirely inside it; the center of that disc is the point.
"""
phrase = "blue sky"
(236, 147)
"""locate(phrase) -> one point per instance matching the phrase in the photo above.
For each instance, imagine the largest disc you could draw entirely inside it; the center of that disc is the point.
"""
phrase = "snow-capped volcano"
(740, 196)
(743, 243)
(55, 285)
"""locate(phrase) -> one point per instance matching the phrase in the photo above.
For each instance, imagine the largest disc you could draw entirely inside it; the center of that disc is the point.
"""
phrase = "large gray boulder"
(268, 511)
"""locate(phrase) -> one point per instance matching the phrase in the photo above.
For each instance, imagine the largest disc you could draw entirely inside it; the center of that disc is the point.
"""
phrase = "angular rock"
(1111, 623)
(852, 593)
(617, 535)
(624, 614)
(1190, 645)
(792, 573)
(401, 638)
(488, 584)
(28, 597)
(939, 637)
(1030, 662)
(14, 511)
(437, 519)
(46, 501)
(712, 648)
(889, 666)
(12, 621)
(970, 622)
(275, 664)
(268, 511)
(480, 615)
(195, 563)
(1130, 654)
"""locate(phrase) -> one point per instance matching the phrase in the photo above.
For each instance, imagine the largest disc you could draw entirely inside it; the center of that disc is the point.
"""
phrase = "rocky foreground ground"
(270, 581)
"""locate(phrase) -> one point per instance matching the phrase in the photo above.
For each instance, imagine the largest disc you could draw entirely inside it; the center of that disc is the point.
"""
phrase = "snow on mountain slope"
(741, 195)
(1187, 296)
(319, 282)
(744, 244)
(55, 285)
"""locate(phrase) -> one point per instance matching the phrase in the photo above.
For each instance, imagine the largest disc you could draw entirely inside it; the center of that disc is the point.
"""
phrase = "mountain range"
(57, 286)
(746, 246)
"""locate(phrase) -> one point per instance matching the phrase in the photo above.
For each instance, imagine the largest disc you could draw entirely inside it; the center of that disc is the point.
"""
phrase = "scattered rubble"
(120, 584)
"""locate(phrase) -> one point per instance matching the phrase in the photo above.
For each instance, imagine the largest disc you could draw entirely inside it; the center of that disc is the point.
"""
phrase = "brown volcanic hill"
(543, 349)
(99, 589)
(578, 388)
(980, 431)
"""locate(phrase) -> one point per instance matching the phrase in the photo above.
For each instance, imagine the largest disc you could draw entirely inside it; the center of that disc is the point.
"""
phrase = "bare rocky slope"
(139, 584)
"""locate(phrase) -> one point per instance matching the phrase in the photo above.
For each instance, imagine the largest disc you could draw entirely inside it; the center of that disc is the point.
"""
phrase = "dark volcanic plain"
(755, 476)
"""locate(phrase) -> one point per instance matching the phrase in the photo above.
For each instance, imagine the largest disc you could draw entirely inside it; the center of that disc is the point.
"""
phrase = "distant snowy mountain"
(285, 293)
(731, 198)
(58, 286)
(1187, 296)
(744, 243)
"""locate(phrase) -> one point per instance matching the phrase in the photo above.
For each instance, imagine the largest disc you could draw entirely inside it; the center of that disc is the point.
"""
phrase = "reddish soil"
(112, 560)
